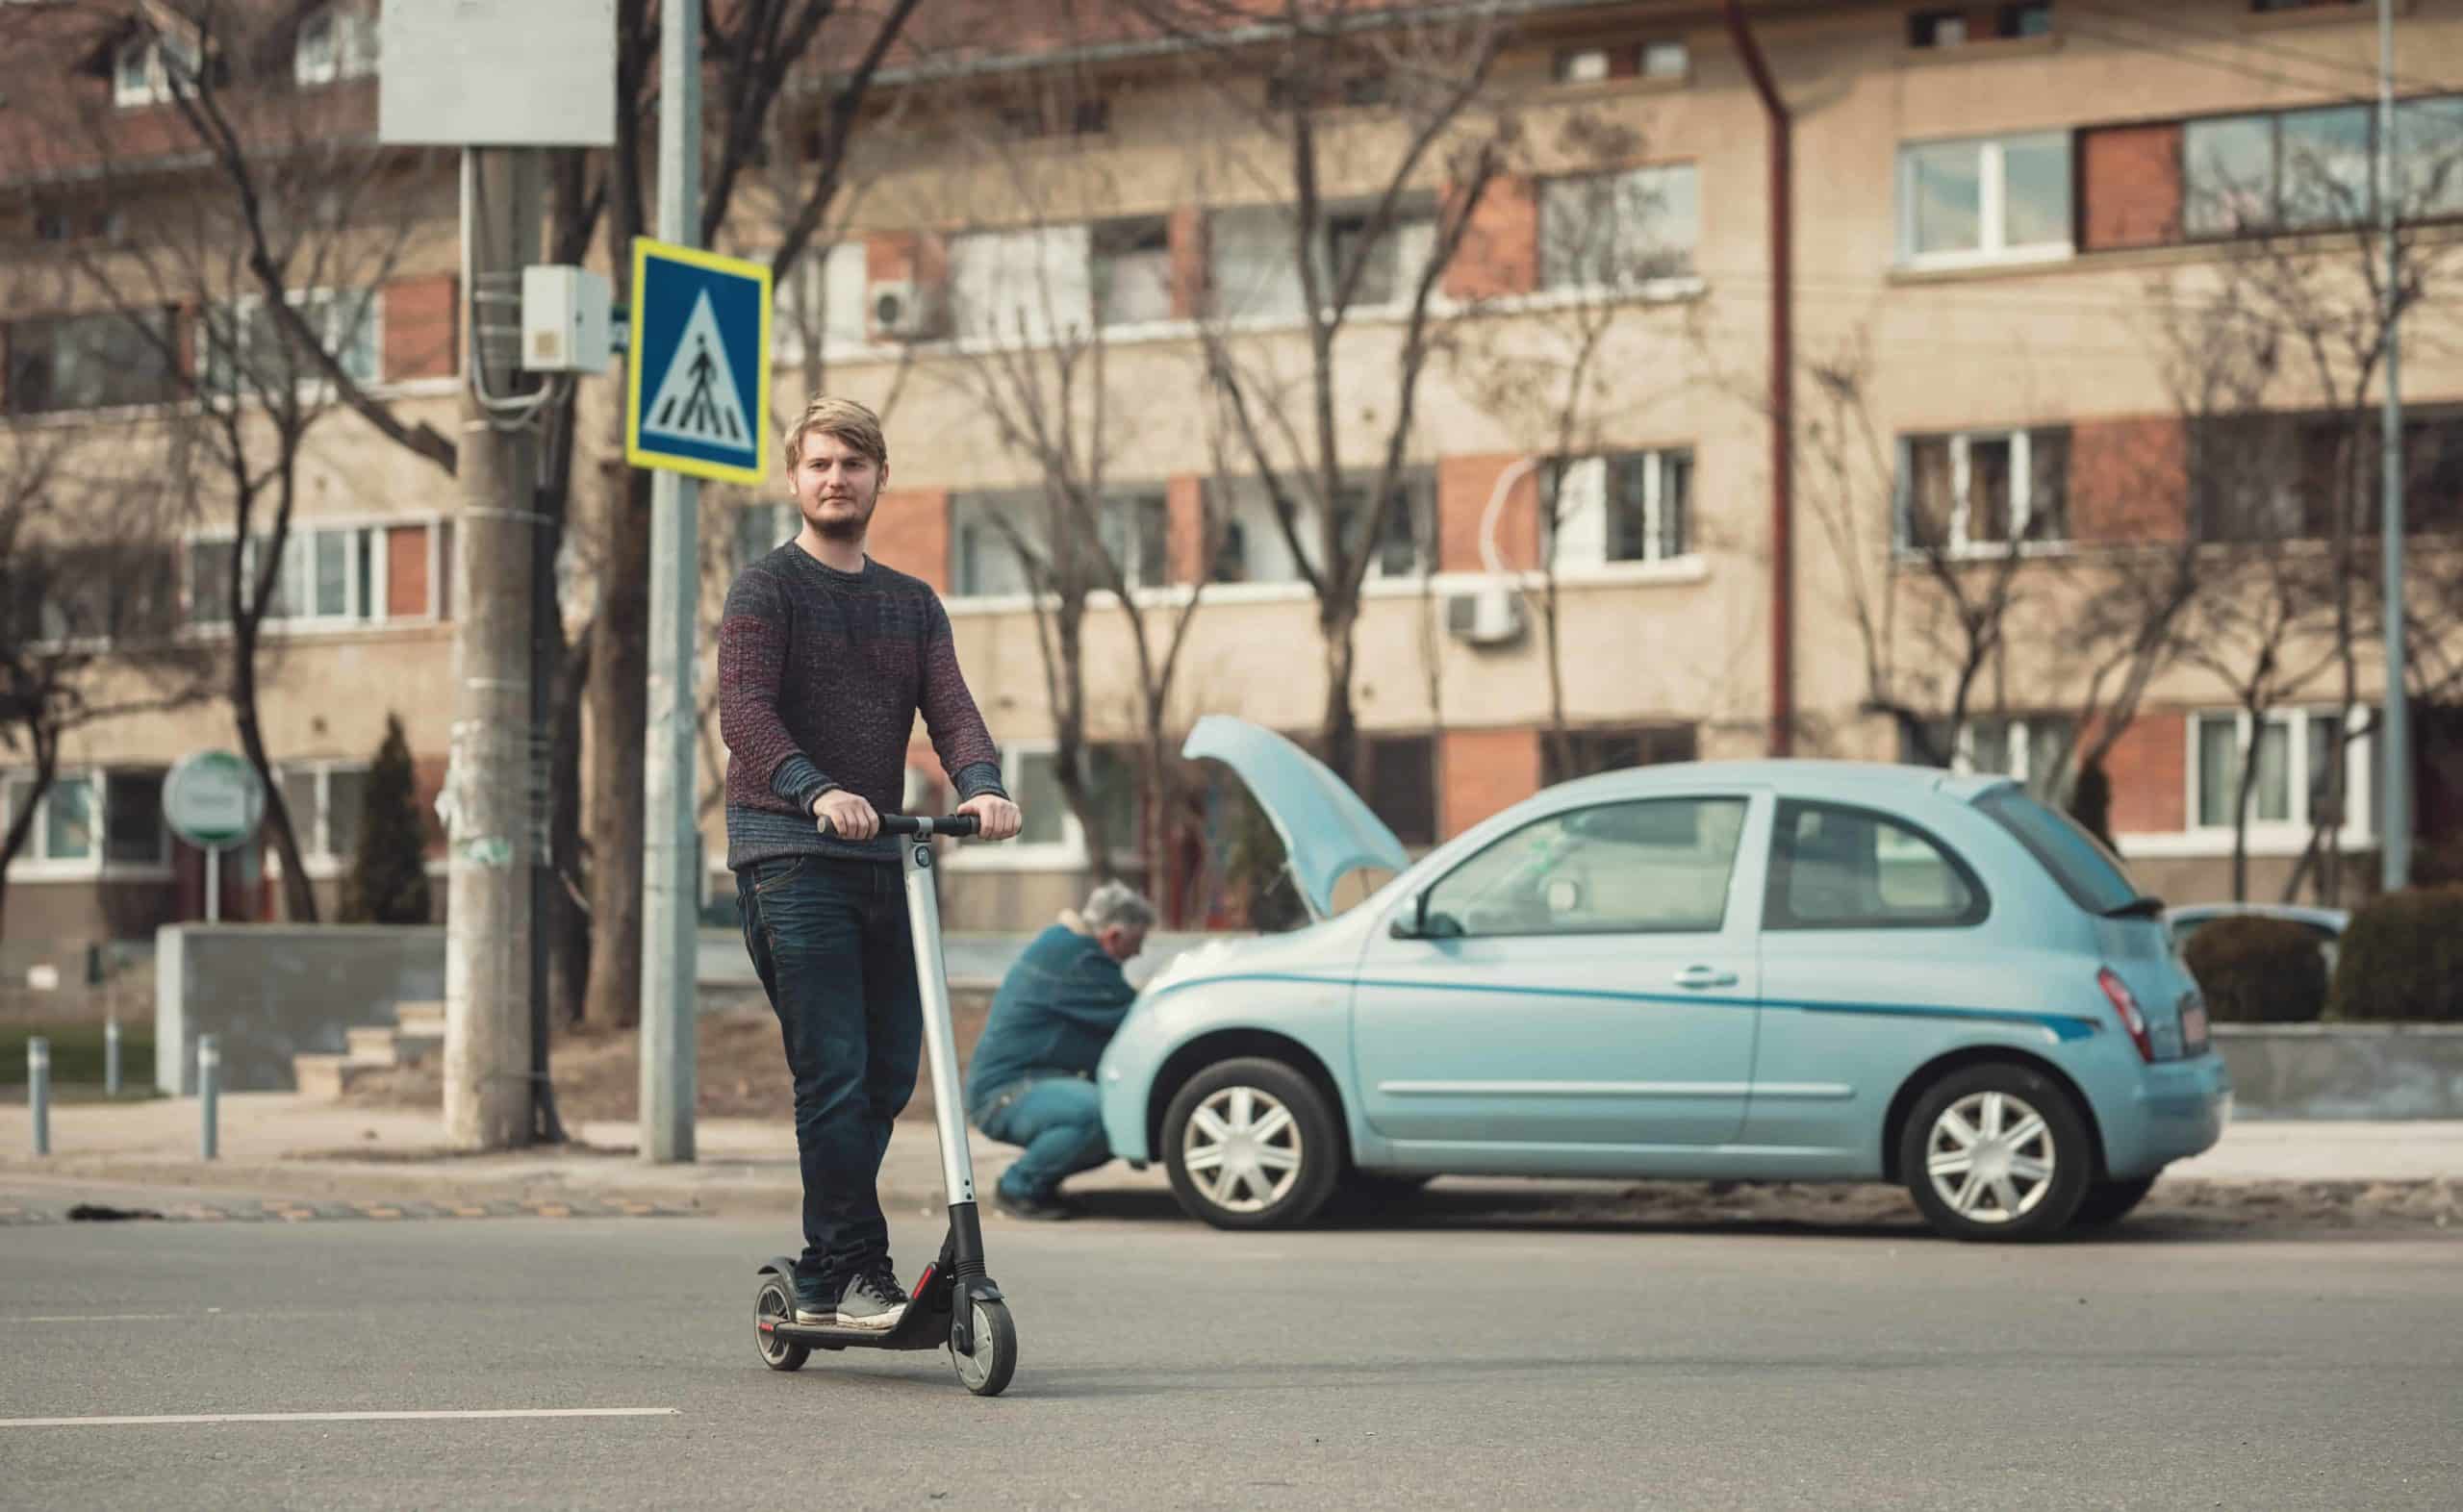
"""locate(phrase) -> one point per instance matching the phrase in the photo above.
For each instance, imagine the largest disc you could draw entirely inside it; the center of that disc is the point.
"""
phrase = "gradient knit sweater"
(820, 676)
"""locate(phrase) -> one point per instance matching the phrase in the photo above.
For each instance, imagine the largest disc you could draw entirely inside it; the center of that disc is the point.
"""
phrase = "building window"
(1629, 507)
(90, 819)
(2290, 756)
(1985, 198)
(1133, 271)
(329, 804)
(1024, 287)
(1254, 272)
(1406, 543)
(134, 833)
(98, 595)
(2270, 7)
(1983, 490)
(1937, 29)
(336, 42)
(1950, 28)
(1032, 775)
(91, 362)
(329, 575)
(144, 68)
(246, 350)
(1619, 229)
(1135, 533)
(2029, 748)
(1401, 785)
(986, 533)
(1589, 752)
(67, 825)
(1591, 63)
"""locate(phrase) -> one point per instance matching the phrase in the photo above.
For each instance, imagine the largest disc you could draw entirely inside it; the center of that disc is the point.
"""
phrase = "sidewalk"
(280, 1144)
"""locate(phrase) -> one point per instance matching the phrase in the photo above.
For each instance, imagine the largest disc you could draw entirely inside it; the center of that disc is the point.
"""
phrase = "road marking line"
(342, 1417)
(105, 1318)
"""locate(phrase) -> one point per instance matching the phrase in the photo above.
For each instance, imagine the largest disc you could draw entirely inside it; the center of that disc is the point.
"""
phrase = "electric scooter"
(954, 1304)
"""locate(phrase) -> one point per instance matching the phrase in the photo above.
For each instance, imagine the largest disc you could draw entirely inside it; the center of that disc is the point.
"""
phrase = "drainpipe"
(1783, 709)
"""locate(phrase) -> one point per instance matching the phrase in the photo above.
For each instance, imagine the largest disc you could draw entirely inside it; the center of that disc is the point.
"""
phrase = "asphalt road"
(1527, 1364)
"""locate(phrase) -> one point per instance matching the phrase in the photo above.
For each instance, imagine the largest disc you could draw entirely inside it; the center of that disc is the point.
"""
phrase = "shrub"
(2402, 959)
(2259, 970)
(388, 876)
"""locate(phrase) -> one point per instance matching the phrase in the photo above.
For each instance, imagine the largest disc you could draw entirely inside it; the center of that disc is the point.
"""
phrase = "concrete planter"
(2343, 1070)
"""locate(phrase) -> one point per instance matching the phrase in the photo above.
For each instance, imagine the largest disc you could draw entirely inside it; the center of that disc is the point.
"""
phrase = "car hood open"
(1326, 831)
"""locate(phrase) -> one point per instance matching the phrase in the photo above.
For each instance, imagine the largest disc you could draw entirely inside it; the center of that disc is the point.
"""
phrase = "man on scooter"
(1031, 1082)
(825, 656)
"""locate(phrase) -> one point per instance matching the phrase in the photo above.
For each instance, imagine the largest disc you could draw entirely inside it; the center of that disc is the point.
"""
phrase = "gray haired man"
(1032, 1079)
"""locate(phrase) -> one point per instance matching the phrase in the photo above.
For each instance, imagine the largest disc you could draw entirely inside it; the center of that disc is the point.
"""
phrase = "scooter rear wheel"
(773, 1304)
(987, 1367)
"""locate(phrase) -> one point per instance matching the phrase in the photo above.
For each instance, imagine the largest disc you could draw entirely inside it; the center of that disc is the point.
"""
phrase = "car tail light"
(2126, 1005)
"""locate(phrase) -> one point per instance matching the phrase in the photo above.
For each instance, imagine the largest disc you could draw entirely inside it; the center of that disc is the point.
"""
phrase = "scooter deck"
(919, 1329)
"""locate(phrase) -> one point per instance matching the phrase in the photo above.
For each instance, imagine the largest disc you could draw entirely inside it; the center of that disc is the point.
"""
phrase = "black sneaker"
(814, 1307)
(875, 1301)
(1032, 1209)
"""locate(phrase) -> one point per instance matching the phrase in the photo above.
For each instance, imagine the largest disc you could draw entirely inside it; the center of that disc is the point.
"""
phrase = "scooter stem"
(933, 985)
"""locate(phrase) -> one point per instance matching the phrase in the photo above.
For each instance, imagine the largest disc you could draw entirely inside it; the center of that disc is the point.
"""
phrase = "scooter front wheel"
(992, 1358)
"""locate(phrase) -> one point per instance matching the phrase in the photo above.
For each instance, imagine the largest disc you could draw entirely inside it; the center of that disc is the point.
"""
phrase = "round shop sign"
(213, 800)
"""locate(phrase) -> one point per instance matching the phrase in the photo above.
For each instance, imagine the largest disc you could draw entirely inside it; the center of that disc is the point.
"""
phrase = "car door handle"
(1699, 978)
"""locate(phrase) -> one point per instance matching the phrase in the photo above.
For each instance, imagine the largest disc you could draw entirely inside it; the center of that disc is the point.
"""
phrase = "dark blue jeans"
(1058, 1121)
(830, 940)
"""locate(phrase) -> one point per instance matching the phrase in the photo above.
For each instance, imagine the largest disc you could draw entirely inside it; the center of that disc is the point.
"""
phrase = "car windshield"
(2091, 875)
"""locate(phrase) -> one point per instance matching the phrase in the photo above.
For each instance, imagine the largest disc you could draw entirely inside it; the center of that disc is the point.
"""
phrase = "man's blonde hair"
(850, 422)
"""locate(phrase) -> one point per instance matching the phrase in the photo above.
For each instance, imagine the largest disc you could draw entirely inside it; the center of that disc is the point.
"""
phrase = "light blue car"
(1795, 970)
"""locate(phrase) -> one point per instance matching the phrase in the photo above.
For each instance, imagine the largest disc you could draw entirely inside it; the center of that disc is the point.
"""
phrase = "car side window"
(1832, 867)
(1653, 866)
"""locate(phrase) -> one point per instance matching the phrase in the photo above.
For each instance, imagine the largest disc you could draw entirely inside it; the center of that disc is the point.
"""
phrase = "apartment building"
(1997, 211)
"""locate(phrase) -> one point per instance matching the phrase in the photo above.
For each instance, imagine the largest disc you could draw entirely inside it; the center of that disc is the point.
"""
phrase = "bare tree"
(1363, 106)
(89, 585)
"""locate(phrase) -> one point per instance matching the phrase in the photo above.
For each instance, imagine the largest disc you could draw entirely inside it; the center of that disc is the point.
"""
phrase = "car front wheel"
(1996, 1152)
(1251, 1144)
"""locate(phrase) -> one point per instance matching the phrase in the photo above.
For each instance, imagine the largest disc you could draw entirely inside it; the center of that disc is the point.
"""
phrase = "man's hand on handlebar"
(997, 815)
(846, 816)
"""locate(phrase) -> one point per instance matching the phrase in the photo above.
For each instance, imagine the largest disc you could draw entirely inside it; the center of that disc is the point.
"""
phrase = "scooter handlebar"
(958, 826)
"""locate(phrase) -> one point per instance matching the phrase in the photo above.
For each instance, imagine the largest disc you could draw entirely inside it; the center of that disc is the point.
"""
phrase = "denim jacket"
(1053, 1016)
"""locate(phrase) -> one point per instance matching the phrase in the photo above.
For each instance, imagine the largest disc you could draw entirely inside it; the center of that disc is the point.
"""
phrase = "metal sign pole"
(671, 890)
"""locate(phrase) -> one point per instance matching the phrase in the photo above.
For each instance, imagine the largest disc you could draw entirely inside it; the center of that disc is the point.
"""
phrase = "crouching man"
(1031, 1082)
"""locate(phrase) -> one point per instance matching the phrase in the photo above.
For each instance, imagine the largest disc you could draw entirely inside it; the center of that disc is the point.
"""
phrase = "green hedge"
(2402, 960)
(2258, 970)
(77, 1053)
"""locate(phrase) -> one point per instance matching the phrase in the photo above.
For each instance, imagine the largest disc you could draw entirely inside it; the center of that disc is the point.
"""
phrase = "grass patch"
(77, 1053)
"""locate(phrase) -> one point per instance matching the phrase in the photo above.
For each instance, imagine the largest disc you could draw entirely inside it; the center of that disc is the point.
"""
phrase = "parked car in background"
(2327, 925)
(1789, 971)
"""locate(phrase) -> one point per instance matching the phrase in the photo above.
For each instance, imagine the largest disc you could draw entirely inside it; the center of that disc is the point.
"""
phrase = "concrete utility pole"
(492, 831)
(2394, 730)
(671, 834)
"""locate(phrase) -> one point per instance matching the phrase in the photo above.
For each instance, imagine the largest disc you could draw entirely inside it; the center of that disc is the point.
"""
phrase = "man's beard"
(845, 528)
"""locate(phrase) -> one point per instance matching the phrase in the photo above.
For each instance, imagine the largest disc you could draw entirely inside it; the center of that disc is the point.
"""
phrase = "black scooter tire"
(775, 1303)
(986, 1372)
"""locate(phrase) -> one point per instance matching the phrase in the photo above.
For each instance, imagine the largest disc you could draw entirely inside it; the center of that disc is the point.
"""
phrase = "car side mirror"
(1412, 924)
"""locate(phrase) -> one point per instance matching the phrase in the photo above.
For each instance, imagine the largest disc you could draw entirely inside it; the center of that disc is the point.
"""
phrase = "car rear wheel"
(2110, 1202)
(1251, 1144)
(1997, 1154)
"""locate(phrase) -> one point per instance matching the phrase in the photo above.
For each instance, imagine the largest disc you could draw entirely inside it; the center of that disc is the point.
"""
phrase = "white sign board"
(496, 73)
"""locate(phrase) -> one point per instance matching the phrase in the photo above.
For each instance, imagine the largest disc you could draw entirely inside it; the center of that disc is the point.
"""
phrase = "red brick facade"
(2129, 180)
(1484, 772)
(1186, 230)
(2128, 480)
(1463, 485)
(406, 557)
(421, 327)
(1185, 507)
(910, 531)
(2149, 772)
(1500, 251)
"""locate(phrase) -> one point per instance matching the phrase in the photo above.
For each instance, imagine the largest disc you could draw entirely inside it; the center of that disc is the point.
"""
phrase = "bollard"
(110, 1056)
(209, 1070)
(38, 1090)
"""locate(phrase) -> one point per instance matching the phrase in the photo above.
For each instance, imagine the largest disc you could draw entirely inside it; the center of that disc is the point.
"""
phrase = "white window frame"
(351, 42)
(149, 48)
(314, 833)
(2022, 489)
(1068, 853)
(1597, 560)
(1991, 205)
(1648, 176)
(244, 307)
(2290, 835)
(2023, 730)
(36, 864)
(368, 611)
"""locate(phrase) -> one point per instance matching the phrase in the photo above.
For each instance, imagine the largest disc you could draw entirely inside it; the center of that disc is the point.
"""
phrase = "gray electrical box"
(496, 73)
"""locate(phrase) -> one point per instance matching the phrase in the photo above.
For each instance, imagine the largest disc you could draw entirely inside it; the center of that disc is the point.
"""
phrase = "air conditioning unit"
(903, 310)
(1486, 616)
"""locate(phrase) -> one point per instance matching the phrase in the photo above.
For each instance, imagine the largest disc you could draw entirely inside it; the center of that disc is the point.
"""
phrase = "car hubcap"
(1242, 1150)
(1991, 1157)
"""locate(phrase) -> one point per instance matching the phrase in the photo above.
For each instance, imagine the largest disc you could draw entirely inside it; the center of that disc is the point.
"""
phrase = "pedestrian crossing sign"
(696, 388)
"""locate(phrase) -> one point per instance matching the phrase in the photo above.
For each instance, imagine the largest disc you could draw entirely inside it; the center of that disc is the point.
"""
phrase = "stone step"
(377, 1047)
(326, 1077)
(425, 1020)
